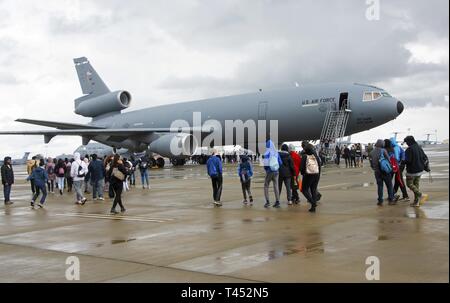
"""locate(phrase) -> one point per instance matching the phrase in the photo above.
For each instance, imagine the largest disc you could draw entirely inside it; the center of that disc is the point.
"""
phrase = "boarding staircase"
(334, 130)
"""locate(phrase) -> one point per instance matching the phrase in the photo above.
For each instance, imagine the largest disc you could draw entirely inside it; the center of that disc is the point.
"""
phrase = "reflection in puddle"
(429, 212)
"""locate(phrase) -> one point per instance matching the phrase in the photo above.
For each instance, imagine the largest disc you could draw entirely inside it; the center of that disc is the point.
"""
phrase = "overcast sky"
(171, 51)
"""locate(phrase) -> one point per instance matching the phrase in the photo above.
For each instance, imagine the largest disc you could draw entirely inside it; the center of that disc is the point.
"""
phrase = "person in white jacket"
(78, 171)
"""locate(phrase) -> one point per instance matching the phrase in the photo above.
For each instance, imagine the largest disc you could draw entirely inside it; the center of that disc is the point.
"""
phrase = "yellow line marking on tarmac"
(116, 217)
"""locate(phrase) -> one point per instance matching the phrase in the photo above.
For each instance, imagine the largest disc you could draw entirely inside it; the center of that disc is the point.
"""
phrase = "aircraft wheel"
(160, 162)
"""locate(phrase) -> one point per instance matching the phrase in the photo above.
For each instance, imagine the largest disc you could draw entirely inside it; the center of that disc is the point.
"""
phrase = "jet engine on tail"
(103, 104)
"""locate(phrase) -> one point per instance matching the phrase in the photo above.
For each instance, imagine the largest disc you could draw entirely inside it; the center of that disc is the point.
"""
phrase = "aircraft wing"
(113, 132)
(58, 125)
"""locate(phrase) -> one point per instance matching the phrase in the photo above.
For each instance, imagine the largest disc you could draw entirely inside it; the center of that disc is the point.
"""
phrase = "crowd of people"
(83, 175)
(296, 171)
(281, 167)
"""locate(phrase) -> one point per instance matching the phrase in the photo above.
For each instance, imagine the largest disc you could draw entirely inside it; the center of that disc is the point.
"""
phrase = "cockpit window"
(386, 94)
(367, 97)
(372, 96)
(376, 95)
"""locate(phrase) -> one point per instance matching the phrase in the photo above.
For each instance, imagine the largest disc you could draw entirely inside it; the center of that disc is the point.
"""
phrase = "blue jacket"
(214, 166)
(96, 170)
(39, 175)
(399, 153)
(245, 164)
(271, 151)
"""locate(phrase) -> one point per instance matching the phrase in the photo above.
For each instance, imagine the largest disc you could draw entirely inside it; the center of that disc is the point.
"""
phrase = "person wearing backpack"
(40, 177)
(143, 165)
(78, 171)
(50, 168)
(295, 186)
(310, 170)
(394, 165)
(116, 175)
(286, 172)
(245, 173)
(60, 171)
(397, 161)
(214, 168)
(69, 178)
(97, 177)
(272, 162)
(416, 163)
(382, 169)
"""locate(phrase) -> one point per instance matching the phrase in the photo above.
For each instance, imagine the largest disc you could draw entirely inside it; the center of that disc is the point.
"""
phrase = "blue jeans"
(383, 178)
(144, 176)
(43, 188)
(7, 192)
(97, 188)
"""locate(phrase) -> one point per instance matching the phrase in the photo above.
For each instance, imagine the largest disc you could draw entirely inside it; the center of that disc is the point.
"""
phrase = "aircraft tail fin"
(90, 81)
(25, 156)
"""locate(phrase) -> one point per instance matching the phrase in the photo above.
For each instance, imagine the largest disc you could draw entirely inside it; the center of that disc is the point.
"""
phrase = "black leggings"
(117, 188)
(309, 188)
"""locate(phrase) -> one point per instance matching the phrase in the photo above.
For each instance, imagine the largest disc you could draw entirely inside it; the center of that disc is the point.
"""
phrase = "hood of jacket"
(380, 143)
(410, 140)
(76, 157)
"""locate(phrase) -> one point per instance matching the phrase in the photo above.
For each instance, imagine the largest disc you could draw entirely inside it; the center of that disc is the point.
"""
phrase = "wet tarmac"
(172, 233)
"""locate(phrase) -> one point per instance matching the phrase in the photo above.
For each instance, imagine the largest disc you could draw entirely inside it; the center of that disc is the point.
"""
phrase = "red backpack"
(394, 164)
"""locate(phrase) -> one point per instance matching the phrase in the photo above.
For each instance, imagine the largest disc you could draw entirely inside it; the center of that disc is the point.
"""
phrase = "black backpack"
(80, 175)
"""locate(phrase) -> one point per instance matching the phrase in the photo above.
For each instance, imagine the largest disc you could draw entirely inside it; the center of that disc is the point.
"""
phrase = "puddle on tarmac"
(429, 212)
(256, 220)
(366, 184)
(121, 241)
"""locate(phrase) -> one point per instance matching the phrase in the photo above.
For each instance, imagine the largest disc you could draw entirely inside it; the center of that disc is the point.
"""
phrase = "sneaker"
(267, 204)
(415, 204)
(423, 199)
(289, 202)
(319, 196)
(404, 199)
(217, 203)
(101, 199)
(245, 202)
(9, 203)
(312, 209)
(276, 205)
(123, 210)
(83, 201)
(60, 192)
(380, 203)
(251, 200)
(396, 198)
(41, 205)
(114, 212)
(78, 203)
(32, 205)
(95, 199)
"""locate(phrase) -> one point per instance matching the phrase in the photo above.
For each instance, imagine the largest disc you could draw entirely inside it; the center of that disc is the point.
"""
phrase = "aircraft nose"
(400, 107)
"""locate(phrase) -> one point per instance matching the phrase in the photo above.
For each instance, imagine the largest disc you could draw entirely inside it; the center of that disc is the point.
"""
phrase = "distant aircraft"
(300, 112)
(22, 161)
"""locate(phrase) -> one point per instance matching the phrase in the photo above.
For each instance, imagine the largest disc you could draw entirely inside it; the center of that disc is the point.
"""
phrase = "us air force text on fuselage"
(209, 295)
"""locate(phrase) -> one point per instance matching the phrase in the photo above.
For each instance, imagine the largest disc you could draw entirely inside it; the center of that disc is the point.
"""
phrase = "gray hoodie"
(375, 155)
